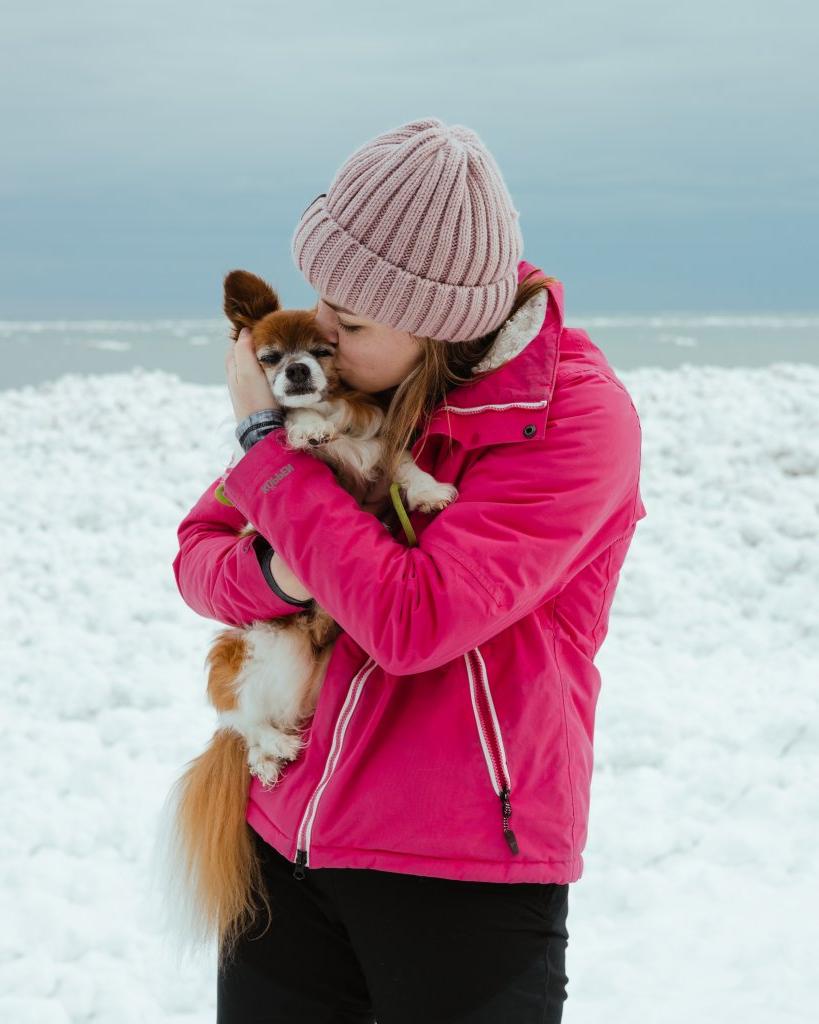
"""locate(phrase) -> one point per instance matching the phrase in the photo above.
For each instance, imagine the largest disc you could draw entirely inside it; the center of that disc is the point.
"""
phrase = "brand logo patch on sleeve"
(272, 481)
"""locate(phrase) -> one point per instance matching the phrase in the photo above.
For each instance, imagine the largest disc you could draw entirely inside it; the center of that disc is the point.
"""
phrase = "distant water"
(36, 351)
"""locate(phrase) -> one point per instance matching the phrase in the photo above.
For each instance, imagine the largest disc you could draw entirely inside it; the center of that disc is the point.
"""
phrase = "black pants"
(355, 946)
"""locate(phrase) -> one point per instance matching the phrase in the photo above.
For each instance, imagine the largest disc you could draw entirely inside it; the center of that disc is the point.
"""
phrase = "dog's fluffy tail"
(204, 861)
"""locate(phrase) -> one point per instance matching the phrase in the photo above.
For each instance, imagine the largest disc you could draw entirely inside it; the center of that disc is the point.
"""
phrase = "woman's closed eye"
(349, 328)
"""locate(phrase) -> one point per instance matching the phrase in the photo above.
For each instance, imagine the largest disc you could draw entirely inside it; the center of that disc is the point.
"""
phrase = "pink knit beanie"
(418, 231)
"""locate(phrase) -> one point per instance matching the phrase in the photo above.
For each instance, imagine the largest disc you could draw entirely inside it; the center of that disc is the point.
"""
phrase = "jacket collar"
(514, 396)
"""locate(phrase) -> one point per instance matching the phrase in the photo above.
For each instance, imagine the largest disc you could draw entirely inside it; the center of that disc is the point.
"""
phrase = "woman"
(419, 851)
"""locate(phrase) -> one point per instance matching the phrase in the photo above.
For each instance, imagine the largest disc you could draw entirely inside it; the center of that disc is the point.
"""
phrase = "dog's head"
(298, 361)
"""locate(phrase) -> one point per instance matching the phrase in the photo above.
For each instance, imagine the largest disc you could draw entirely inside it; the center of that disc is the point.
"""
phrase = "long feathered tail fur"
(204, 860)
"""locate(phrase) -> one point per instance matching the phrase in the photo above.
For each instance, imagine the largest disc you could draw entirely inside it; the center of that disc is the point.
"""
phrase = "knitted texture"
(417, 231)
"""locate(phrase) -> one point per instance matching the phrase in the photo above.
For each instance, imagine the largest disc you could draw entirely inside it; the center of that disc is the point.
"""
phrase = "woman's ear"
(247, 299)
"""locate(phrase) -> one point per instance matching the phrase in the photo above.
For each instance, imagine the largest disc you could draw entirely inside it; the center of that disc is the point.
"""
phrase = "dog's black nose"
(298, 373)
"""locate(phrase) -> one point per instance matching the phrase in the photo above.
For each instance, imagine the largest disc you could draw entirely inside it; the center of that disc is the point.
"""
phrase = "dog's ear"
(247, 299)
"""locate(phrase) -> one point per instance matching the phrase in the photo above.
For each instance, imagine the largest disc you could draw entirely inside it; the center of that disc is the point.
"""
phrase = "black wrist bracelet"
(264, 550)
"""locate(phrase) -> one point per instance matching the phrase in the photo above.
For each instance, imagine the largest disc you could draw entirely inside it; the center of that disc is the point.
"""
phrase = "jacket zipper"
(302, 859)
(491, 739)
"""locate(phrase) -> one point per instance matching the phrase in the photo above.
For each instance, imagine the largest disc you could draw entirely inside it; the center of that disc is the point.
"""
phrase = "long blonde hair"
(443, 365)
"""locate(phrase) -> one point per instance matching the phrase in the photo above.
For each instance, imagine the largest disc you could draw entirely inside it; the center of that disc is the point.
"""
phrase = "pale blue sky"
(663, 159)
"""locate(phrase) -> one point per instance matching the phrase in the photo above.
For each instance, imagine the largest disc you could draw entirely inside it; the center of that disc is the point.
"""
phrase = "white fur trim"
(516, 333)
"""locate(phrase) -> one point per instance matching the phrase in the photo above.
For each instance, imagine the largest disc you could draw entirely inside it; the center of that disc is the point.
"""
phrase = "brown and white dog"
(264, 679)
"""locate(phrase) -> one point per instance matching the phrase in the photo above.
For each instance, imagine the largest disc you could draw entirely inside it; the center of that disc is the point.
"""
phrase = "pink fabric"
(466, 664)
(418, 231)
(217, 572)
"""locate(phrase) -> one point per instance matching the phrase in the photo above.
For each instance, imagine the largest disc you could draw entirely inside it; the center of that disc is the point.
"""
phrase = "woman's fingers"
(247, 381)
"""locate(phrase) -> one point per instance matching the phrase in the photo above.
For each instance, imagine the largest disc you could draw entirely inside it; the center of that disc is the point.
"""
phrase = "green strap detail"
(402, 515)
(220, 496)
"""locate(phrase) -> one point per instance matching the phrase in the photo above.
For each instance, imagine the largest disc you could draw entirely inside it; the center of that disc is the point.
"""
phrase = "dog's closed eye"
(272, 356)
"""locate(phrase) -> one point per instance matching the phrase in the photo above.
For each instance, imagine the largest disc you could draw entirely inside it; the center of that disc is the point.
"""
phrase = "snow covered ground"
(700, 898)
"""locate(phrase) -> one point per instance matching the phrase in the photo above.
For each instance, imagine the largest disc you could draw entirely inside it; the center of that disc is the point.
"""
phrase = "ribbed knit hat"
(417, 231)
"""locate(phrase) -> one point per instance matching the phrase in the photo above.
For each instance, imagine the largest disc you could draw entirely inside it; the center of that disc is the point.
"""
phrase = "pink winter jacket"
(453, 733)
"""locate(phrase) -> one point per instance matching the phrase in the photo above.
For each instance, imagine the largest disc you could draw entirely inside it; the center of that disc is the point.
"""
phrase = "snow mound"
(699, 899)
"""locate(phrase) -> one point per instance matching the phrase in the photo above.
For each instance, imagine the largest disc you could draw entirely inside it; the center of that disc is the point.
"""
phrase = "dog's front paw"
(307, 429)
(431, 497)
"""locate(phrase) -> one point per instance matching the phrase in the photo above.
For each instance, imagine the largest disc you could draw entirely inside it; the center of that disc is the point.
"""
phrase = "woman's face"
(370, 356)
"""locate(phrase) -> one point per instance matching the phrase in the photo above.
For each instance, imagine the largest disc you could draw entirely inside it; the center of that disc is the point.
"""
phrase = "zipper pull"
(508, 834)
(301, 857)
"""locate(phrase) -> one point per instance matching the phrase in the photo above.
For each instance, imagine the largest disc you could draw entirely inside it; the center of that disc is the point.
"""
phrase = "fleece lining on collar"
(516, 333)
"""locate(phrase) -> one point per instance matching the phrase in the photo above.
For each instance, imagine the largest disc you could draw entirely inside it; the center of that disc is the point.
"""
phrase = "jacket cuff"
(266, 466)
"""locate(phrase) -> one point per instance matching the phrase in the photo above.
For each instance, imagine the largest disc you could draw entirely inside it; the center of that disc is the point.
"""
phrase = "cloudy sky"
(663, 157)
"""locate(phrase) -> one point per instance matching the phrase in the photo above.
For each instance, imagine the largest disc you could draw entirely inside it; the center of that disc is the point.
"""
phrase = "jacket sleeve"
(529, 515)
(223, 576)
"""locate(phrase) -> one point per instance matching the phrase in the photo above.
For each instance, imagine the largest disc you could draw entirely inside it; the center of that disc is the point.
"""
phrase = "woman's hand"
(247, 382)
